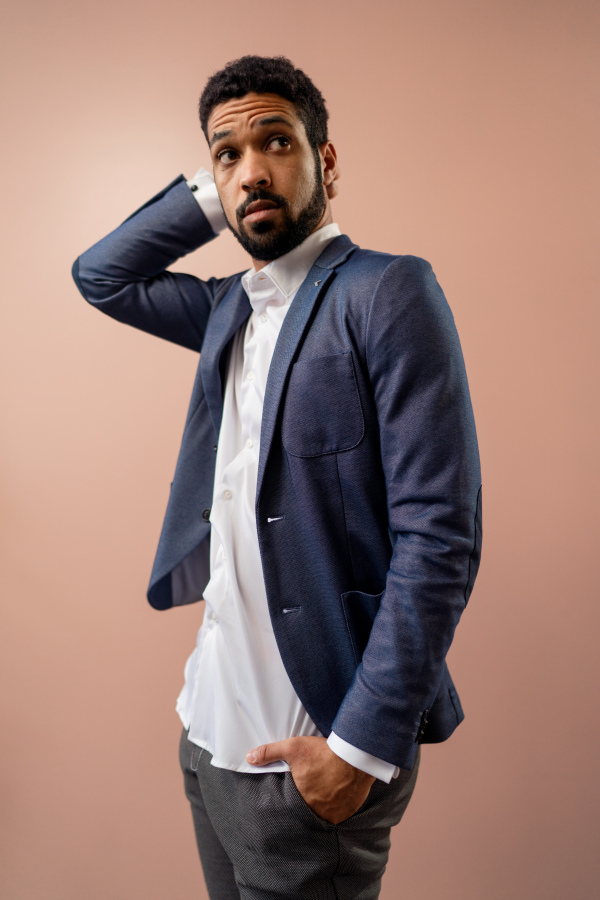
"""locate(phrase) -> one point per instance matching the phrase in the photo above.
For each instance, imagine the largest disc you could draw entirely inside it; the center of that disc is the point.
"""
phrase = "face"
(270, 180)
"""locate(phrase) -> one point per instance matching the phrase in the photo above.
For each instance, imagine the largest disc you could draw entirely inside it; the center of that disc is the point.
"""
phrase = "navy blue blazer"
(368, 465)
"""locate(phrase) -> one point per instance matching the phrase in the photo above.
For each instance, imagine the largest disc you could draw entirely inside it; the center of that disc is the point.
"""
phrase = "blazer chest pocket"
(322, 411)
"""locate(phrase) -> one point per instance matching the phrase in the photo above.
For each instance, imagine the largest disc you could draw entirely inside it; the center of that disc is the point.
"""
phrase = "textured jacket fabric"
(368, 466)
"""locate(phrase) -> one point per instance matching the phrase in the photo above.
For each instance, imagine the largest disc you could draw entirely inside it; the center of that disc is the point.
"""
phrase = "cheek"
(304, 183)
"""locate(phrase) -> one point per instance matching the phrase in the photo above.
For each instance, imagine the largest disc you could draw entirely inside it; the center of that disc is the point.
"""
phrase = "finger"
(269, 753)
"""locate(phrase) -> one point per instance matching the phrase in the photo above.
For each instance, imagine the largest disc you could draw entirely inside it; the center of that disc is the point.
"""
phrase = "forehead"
(247, 111)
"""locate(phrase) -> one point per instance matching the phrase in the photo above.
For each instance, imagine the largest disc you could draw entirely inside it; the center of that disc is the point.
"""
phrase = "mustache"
(259, 194)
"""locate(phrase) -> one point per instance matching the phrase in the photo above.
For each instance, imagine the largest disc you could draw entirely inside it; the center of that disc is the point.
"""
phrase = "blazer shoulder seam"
(392, 261)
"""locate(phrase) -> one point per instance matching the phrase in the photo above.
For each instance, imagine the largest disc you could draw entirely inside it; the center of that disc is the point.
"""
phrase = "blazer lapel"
(309, 294)
(227, 317)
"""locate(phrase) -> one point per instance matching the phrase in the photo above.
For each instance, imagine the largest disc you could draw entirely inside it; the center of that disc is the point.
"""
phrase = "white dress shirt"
(237, 694)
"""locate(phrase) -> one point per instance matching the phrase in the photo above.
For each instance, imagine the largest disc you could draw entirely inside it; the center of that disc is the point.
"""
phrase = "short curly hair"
(267, 75)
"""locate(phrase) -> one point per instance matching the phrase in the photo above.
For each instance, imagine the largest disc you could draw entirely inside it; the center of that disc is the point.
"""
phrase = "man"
(326, 502)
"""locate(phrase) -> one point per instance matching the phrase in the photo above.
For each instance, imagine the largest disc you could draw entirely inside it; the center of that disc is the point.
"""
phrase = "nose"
(254, 172)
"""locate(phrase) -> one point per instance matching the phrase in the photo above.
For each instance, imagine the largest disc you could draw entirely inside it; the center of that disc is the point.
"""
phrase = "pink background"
(467, 133)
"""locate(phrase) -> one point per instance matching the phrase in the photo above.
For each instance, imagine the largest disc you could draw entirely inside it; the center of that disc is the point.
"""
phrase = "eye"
(227, 156)
(279, 142)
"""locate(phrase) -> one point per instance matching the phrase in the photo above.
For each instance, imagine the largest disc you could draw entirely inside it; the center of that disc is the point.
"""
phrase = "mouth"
(261, 210)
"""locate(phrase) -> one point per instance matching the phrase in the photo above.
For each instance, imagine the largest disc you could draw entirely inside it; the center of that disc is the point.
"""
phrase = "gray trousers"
(259, 840)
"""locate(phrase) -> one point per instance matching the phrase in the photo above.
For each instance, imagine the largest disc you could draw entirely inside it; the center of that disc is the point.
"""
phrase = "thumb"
(268, 753)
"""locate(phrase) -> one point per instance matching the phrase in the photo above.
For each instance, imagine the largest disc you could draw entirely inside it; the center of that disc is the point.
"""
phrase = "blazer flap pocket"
(322, 410)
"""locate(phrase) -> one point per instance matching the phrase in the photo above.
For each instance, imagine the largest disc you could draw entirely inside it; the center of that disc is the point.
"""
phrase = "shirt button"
(222, 554)
(249, 443)
(227, 494)
(213, 617)
(263, 317)
(250, 376)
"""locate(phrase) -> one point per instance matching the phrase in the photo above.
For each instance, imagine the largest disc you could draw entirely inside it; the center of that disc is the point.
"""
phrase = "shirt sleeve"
(205, 193)
(378, 768)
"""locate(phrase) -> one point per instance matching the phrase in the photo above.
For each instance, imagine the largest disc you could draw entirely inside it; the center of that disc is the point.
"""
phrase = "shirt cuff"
(372, 765)
(205, 192)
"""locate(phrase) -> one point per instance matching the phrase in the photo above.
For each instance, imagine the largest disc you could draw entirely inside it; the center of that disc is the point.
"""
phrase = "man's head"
(266, 125)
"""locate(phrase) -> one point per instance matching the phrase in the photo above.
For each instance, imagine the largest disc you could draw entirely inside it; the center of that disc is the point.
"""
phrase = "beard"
(269, 240)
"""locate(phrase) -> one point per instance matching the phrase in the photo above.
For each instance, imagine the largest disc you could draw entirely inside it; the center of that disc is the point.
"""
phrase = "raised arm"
(124, 274)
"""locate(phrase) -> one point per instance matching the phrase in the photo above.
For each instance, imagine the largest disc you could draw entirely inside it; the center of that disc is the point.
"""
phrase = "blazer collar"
(336, 253)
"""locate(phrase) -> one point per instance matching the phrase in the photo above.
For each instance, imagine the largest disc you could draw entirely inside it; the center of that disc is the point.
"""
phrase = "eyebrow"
(268, 120)
(274, 120)
(219, 135)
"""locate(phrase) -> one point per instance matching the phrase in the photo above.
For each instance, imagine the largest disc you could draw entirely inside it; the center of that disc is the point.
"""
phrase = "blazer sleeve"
(124, 274)
(433, 481)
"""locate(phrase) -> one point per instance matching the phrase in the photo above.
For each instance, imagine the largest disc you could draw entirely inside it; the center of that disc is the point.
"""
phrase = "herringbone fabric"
(258, 839)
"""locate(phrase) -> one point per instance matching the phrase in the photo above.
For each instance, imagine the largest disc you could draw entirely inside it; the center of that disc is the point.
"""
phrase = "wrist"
(206, 195)
(349, 772)
(374, 766)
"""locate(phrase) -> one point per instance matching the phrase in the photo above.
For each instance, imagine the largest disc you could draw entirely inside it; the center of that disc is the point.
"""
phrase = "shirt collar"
(279, 280)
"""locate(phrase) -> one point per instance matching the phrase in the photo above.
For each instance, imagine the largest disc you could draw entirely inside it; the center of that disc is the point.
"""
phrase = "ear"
(329, 167)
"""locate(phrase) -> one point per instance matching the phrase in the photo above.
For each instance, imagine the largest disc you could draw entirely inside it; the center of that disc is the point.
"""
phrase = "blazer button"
(206, 514)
